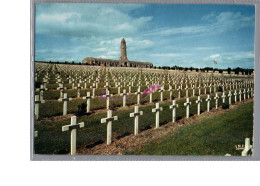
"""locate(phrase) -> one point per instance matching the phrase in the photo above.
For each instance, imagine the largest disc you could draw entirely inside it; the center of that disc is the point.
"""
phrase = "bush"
(81, 109)
(225, 106)
(220, 89)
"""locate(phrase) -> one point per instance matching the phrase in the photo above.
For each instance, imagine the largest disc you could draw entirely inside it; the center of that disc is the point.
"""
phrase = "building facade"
(122, 62)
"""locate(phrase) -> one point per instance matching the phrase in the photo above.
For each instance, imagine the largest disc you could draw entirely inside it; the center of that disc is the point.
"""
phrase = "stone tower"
(123, 56)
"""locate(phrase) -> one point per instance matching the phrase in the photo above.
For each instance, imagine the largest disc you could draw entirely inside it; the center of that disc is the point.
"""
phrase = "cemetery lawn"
(215, 136)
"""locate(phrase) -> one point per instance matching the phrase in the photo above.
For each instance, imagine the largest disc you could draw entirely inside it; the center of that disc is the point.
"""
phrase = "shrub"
(220, 89)
(225, 106)
(81, 109)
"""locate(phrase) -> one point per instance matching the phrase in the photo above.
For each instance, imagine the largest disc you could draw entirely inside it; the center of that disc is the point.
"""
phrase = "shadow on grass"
(95, 144)
(123, 135)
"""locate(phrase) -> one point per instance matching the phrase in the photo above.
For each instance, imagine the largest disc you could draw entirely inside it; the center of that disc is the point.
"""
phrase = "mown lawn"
(51, 140)
(216, 136)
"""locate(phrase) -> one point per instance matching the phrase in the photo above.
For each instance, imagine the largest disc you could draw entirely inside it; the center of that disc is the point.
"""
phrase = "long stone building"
(122, 62)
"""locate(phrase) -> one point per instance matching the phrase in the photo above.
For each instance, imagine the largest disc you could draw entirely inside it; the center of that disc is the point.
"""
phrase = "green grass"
(215, 136)
(52, 140)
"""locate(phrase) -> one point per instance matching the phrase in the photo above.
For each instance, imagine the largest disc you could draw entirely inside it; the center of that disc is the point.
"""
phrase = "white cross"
(248, 148)
(198, 102)
(252, 92)
(205, 86)
(170, 89)
(85, 83)
(119, 86)
(187, 91)
(161, 91)
(216, 98)
(229, 96)
(235, 94)
(108, 95)
(136, 115)
(61, 88)
(223, 97)
(179, 92)
(173, 107)
(244, 92)
(65, 103)
(73, 128)
(41, 89)
(248, 95)
(106, 86)
(93, 89)
(78, 90)
(208, 102)
(124, 97)
(138, 93)
(193, 90)
(88, 101)
(240, 93)
(109, 120)
(187, 105)
(157, 109)
(36, 104)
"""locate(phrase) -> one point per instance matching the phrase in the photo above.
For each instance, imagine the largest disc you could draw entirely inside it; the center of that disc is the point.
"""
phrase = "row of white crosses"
(136, 114)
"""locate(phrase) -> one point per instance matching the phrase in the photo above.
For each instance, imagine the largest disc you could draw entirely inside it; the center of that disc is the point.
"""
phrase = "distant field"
(216, 136)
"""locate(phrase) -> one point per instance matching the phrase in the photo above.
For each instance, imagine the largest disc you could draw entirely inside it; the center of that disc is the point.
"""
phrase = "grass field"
(216, 136)
(52, 140)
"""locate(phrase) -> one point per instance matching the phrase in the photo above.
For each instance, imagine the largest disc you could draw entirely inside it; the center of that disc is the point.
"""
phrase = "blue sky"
(166, 35)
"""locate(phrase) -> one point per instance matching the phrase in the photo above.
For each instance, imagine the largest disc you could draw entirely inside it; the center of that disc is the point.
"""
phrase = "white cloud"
(225, 21)
(87, 20)
(214, 56)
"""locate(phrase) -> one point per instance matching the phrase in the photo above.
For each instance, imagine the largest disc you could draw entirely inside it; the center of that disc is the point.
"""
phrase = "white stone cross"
(248, 148)
(179, 92)
(124, 97)
(93, 89)
(65, 103)
(252, 92)
(61, 88)
(157, 110)
(223, 97)
(170, 89)
(244, 92)
(199, 89)
(198, 102)
(109, 120)
(119, 88)
(138, 93)
(235, 94)
(187, 105)
(240, 95)
(229, 97)
(88, 101)
(41, 89)
(193, 90)
(73, 128)
(173, 107)
(129, 85)
(37, 105)
(161, 91)
(106, 86)
(248, 93)
(208, 102)
(78, 90)
(216, 98)
(85, 83)
(136, 115)
(210, 88)
(108, 95)
(187, 91)
(151, 97)
(205, 88)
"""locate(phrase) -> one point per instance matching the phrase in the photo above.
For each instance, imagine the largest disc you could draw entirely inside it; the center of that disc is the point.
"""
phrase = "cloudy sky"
(166, 35)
